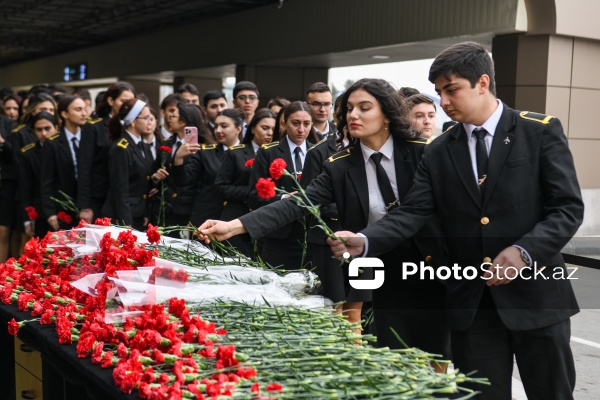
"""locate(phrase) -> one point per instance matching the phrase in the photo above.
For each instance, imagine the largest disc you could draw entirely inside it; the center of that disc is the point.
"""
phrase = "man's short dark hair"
(468, 60)
(419, 99)
(244, 85)
(172, 98)
(318, 87)
(188, 88)
(278, 101)
(406, 91)
(212, 95)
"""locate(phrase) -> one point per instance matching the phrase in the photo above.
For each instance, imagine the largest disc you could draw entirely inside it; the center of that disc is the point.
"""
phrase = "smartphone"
(191, 134)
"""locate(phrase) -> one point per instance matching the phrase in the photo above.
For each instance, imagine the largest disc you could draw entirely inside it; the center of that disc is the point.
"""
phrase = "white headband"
(133, 113)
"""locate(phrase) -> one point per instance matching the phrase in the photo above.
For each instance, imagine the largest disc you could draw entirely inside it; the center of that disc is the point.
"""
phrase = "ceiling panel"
(31, 29)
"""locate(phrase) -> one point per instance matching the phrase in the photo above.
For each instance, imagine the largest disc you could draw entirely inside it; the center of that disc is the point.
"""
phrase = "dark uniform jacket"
(129, 181)
(233, 179)
(20, 137)
(29, 178)
(58, 172)
(260, 169)
(201, 170)
(531, 199)
(96, 161)
(7, 166)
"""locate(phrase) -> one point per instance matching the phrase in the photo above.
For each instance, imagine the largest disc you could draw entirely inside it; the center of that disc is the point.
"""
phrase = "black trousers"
(543, 356)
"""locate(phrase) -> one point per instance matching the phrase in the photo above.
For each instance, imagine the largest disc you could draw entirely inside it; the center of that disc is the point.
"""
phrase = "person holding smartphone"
(185, 122)
(197, 165)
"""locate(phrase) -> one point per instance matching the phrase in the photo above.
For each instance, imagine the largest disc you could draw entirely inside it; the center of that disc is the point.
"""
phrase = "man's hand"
(354, 244)
(509, 257)
(86, 214)
(220, 230)
(53, 222)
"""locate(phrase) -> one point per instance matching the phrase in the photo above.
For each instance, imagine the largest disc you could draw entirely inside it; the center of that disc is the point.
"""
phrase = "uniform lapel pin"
(506, 140)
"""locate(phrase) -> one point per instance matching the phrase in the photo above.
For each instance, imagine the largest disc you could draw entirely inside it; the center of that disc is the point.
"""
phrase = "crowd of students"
(500, 186)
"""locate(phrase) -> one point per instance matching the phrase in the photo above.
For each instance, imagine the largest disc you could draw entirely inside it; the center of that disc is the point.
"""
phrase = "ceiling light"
(380, 57)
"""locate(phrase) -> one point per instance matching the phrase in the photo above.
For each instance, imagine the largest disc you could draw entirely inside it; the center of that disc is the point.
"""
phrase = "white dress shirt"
(490, 126)
(376, 203)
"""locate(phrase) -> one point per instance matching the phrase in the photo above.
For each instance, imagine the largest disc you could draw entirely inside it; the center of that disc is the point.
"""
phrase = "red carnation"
(274, 387)
(277, 168)
(265, 188)
(13, 327)
(102, 221)
(249, 163)
(64, 217)
(153, 234)
(166, 149)
(32, 214)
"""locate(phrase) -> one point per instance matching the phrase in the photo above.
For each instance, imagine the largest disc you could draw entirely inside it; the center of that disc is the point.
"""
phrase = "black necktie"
(383, 181)
(76, 151)
(148, 151)
(140, 147)
(176, 147)
(75, 147)
(481, 156)
(298, 160)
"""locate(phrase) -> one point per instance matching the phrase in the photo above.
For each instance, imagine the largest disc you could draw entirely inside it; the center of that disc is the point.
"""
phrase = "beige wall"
(556, 75)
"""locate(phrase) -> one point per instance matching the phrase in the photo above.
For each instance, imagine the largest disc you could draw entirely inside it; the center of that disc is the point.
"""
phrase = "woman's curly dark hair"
(392, 105)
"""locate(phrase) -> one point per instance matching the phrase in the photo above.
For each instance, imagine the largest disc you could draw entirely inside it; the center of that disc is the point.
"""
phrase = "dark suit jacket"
(58, 172)
(313, 166)
(344, 182)
(201, 171)
(260, 169)
(532, 199)
(232, 181)
(129, 181)
(96, 161)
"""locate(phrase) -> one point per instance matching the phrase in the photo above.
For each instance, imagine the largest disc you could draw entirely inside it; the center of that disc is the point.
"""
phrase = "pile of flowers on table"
(235, 329)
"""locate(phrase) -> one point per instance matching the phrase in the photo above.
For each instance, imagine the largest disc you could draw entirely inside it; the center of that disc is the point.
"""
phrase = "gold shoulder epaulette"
(448, 129)
(27, 148)
(269, 145)
(418, 140)
(56, 135)
(317, 144)
(92, 121)
(340, 154)
(237, 146)
(18, 128)
(541, 118)
(209, 146)
(123, 143)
